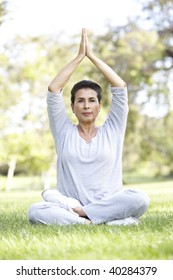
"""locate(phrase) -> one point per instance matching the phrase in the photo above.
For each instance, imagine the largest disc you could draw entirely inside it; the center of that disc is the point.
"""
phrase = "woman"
(89, 165)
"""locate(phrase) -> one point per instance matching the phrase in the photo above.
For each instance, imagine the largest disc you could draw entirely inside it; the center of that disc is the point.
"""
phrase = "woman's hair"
(86, 84)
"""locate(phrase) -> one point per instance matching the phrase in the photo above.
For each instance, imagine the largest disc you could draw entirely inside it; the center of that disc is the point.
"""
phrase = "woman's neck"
(87, 132)
(87, 129)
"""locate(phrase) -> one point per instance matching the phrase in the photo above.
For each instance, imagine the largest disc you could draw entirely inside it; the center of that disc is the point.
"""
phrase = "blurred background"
(37, 38)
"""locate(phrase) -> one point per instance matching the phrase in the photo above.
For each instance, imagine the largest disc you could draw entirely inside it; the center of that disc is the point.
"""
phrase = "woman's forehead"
(86, 93)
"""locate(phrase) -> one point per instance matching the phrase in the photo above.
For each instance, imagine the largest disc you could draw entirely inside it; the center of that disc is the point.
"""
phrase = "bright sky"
(35, 17)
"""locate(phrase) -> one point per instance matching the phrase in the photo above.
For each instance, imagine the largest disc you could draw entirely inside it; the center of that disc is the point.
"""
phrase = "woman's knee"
(143, 202)
(33, 211)
(145, 199)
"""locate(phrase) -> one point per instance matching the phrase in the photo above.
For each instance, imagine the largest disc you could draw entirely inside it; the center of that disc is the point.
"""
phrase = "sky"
(37, 17)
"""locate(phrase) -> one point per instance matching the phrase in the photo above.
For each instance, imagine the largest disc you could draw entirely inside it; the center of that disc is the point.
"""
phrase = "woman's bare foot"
(87, 222)
(82, 214)
(79, 211)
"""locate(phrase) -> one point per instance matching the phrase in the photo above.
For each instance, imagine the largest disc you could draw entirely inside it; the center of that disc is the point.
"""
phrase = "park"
(144, 58)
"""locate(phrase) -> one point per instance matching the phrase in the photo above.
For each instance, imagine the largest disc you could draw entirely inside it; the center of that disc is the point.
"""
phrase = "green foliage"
(141, 56)
(3, 10)
(158, 15)
(32, 153)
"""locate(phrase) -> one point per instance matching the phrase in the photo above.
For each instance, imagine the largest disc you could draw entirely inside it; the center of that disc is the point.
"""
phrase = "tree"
(160, 13)
(3, 11)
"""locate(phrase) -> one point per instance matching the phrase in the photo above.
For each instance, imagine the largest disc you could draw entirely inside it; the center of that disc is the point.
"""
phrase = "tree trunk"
(10, 175)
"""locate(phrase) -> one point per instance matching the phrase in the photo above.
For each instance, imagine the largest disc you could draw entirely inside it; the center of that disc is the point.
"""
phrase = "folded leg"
(50, 214)
(121, 205)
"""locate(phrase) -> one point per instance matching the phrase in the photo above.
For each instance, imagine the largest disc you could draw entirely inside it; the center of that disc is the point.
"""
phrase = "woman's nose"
(86, 105)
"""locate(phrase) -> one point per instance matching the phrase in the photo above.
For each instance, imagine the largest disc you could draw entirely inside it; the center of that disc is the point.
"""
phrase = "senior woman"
(89, 162)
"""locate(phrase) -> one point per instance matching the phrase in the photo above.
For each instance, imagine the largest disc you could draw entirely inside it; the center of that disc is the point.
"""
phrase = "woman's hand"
(89, 52)
(65, 73)
(82, 46)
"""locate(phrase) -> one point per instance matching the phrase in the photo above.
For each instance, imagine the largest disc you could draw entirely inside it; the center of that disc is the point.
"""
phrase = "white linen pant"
(121, 205)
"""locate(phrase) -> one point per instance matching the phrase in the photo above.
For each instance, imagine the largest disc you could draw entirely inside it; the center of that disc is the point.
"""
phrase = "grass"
(151, 240)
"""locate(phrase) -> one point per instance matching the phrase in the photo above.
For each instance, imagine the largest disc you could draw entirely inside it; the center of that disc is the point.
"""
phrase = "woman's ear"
(72, 107)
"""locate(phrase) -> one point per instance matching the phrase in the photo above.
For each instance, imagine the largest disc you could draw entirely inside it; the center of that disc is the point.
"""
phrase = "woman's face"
(86, 105)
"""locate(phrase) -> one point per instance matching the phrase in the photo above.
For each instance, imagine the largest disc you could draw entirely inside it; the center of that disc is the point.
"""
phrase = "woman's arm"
(63, 76)
(106, 70)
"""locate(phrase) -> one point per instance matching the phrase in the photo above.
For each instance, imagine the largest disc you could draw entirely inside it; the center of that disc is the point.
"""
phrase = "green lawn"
(152, 239)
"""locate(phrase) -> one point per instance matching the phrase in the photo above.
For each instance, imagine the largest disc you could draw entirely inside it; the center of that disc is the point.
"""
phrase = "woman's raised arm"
(106, 70)
(61, 79)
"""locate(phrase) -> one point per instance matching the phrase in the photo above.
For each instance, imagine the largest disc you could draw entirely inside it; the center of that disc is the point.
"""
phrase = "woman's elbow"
(51, 88)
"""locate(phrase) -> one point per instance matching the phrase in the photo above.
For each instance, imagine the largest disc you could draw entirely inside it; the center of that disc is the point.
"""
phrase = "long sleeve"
(117, 118)
(57, 115)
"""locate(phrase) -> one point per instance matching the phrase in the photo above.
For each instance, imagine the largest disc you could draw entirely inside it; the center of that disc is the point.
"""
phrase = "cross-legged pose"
(89, 158)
